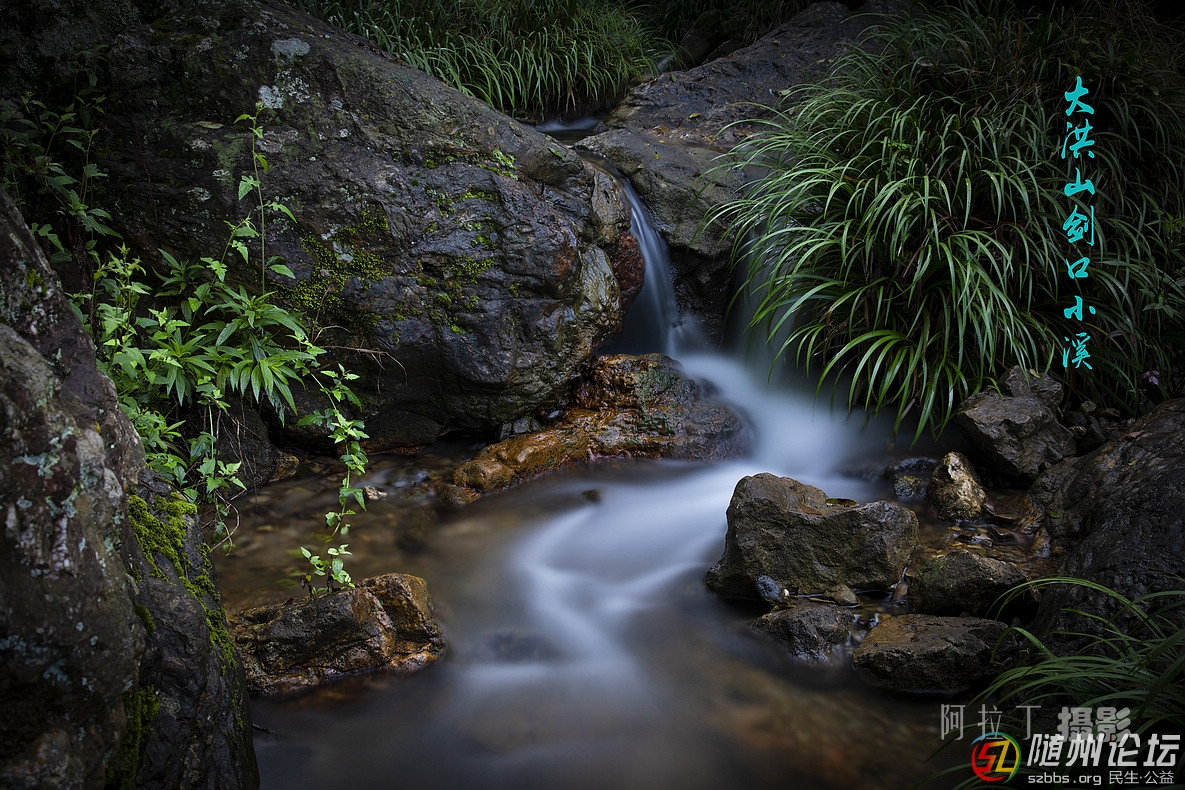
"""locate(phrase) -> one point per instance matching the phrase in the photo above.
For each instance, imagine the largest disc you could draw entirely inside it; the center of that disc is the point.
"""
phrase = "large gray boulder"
(802, 542)
(385, 623)
(476, 262)
(1117, 516)
(918, 652)
(1017, 433)
(69, 637)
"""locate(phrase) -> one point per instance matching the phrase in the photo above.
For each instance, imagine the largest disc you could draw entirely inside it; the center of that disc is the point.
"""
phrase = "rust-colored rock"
(485, 474)
(622, 406)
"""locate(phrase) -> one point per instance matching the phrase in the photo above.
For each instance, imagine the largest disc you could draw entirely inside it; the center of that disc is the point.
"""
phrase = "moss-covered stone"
(166, 537)
(381, 165)
(201, 733)
(146, 618)
(346, 253)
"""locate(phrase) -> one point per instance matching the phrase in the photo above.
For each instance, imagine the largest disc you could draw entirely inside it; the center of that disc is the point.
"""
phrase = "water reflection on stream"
(584, 648)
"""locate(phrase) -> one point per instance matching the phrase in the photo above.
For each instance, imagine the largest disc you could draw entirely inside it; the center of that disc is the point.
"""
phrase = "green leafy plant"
(46, 155)
(347, 434)
(527, 57)
(333, 570)
(907, 230)
(245, 229)
(175, 352)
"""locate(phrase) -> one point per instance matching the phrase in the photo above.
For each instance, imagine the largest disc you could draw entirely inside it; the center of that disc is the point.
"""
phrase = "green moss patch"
(141, 707)
(344, 254)
(165, 537)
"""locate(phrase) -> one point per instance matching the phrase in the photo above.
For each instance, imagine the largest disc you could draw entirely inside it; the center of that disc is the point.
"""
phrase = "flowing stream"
(584, 648)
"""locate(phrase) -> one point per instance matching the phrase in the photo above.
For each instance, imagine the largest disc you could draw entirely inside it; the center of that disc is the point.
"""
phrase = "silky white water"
(584, 649)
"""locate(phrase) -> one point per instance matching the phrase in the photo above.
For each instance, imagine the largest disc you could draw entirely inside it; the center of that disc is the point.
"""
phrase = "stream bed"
(584, 650)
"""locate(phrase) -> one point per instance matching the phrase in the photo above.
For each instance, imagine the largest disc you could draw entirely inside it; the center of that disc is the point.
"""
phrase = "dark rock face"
(386, 622)
(189, 669)
(105, 682)
(481, 262)
(695, 105)
(1018, 435)
(623, 405)
(69, 638)
(811, 631)
(954, 489)
(786, 530)
(671, 130)
(1118, 514)
(244, 438)
(917, 652)
(962, 583)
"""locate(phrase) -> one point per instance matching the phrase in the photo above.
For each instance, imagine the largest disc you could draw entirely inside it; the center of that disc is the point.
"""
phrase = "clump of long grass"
(1125, 654)
(525, 57)
(908, 227)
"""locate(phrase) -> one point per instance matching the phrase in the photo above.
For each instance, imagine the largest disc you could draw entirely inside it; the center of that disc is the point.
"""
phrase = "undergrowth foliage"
(908, 225)
(1132, 658)
(177, 351)
(525, 57)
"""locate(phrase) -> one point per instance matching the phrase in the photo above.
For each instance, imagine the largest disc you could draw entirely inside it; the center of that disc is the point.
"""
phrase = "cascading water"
(653, 323)
(585, 651)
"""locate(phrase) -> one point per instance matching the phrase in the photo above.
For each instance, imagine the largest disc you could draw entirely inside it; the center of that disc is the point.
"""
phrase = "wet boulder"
(954, 489)
(807, 543)
(919, 652)
(812, 632)
(464, 264)
(623, 405)
(963, 582)
(1017, 434)
(1116, 517)
(385, 623)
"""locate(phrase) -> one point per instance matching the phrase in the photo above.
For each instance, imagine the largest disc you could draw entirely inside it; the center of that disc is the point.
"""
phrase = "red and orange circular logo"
(995, 757)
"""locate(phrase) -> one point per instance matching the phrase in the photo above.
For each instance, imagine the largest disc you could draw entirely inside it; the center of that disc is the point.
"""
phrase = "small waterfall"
(653, 323)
